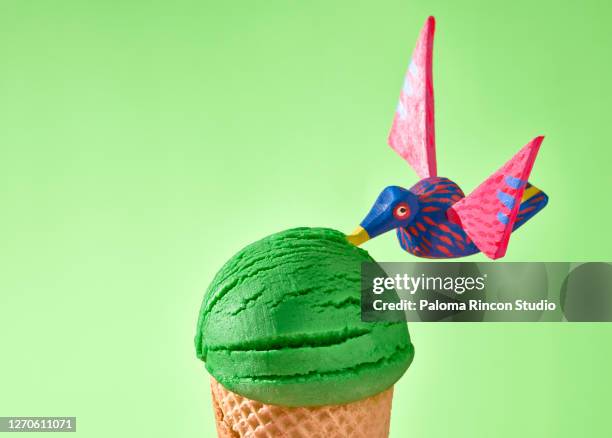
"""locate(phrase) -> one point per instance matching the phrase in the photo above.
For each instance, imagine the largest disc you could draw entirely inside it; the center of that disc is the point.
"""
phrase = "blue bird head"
(395, 207)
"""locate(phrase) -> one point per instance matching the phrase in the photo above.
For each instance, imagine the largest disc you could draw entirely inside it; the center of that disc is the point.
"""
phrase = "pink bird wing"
(488, 214)
(412, 134)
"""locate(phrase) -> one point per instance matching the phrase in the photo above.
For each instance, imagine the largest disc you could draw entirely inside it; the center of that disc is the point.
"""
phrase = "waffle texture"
(240, 417)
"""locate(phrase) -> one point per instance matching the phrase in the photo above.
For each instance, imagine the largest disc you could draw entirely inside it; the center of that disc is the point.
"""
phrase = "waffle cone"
(240, 417)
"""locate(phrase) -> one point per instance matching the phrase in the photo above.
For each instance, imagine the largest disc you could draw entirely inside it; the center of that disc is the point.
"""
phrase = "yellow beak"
(358, 236)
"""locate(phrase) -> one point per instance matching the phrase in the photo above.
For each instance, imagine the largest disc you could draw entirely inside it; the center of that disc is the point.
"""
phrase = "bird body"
(431, 234)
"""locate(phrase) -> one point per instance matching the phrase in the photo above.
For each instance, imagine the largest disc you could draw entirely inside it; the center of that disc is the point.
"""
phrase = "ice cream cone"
(281, 333)
(240, 417)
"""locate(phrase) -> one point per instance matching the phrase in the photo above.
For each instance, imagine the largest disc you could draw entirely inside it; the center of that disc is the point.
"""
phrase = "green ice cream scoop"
(281, 324)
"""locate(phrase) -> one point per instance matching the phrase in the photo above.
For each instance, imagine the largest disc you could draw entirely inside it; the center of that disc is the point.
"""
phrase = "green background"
(142, 143)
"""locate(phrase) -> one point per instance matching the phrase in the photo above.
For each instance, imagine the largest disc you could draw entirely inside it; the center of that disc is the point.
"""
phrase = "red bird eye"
(401, 211)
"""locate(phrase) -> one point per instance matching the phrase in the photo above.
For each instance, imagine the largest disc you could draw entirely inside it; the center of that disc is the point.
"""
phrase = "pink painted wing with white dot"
(412, 134)
(488, 214)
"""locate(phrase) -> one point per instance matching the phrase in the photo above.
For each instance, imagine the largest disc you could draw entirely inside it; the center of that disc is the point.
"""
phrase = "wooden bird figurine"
(434, 219)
